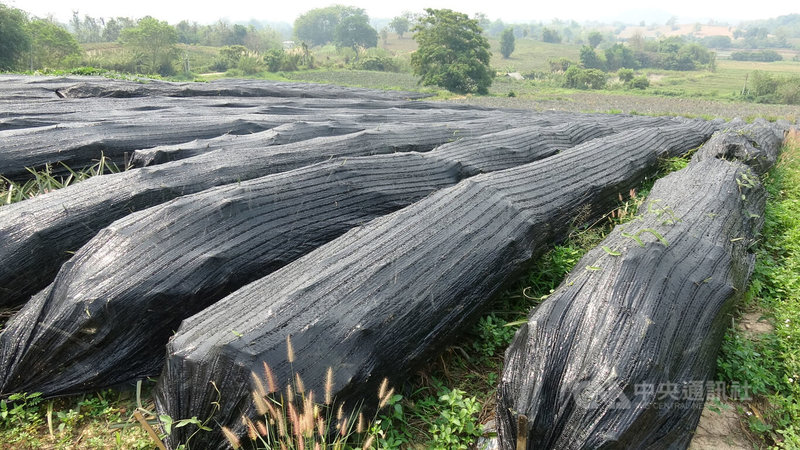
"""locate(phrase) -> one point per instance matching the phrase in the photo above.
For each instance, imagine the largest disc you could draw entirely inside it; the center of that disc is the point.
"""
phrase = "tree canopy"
(401, 24)
(14, 39)
(318, 26)
(155, 40)
(595, 38)
(507, 42)
(452, 53)
(355, 32)
(53, 46)
(550, 35)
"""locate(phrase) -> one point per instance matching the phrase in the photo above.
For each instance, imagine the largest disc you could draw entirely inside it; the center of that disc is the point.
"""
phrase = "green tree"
(640, 82)
(672, 23)
(619, 56)
(595, 38)
(589, 58)
(53, 46)
(14, 38)
(507, 42)
(578, 78)
(401, 24)
(625, 75)
(355, 32)
(155, 40)
(452, 52)
(262, 40)
(87, 30)
(318, 26)
(551, 36)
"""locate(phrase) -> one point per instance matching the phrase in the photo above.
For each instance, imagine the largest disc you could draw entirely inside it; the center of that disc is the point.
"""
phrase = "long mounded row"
(624, 352)
(377, 300)
(37, 235)
(157, 267)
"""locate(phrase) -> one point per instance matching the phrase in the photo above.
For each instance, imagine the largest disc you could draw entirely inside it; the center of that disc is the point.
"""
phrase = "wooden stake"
(522, 432)
(150, 430)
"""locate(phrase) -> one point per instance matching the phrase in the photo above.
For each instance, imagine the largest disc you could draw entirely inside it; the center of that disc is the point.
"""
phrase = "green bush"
(456, 426)
(376, 63)
(769, 88)
(762, 56)
(625, 75)
(577, 78)
(640, 82)
(250, 64)
(560, 64)
(274, 60)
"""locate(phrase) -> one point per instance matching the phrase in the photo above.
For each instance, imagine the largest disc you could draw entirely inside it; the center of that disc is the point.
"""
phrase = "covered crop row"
(622, 353)
(37, 235)
(156, 267)
(367, 228)
(375, 301)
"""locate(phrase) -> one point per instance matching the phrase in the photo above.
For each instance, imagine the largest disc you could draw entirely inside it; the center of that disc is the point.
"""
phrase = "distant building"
(288, 45)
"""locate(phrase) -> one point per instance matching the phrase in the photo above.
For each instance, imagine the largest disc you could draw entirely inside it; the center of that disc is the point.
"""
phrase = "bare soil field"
(633, 104)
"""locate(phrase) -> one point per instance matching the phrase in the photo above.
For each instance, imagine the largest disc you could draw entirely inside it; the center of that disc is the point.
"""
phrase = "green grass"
(770, 363)
(113, 55)
(530, 55)
(44, 181)
(725, 83)
(103, 420)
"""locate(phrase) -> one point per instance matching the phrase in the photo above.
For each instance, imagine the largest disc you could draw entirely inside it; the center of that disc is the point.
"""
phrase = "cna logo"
(594, 395)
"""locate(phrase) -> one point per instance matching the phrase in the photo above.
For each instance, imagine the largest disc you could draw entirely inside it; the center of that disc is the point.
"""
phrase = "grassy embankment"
(770, 362)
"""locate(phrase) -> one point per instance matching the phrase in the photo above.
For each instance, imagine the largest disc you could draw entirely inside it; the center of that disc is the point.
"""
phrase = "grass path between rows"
(769, 361)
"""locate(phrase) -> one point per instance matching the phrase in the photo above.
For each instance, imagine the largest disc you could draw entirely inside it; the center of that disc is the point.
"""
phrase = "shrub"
(250, 64)
(377, 63)
(762, 56)
(769, 88)
(640, 82)
(578, 78)
(560, 64)
(625, 75)
(274, 60)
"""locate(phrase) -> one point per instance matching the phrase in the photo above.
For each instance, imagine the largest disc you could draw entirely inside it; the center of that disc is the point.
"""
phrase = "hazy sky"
(519, 11)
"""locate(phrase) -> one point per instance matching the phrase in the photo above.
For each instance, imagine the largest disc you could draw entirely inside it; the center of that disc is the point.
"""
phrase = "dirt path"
(721, 426)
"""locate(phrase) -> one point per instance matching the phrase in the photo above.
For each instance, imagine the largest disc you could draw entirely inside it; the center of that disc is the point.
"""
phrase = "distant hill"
(696, 30)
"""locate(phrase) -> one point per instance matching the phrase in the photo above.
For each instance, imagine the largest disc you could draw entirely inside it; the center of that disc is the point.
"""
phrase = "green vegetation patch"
(770, 363)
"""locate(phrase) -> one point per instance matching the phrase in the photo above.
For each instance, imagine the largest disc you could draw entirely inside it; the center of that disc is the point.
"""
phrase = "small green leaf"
(635, 237)
(611, 252)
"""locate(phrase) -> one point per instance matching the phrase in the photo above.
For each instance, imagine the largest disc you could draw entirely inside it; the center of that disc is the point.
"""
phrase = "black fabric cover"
(156, 267)
(637, 315)
(382, 297)
(39, 234)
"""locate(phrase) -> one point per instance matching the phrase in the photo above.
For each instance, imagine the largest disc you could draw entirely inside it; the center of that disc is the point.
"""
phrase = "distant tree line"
(761, 56)
(672, 53)
(765, 87)
(93, 30)
(344, 26)
(33, 43)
